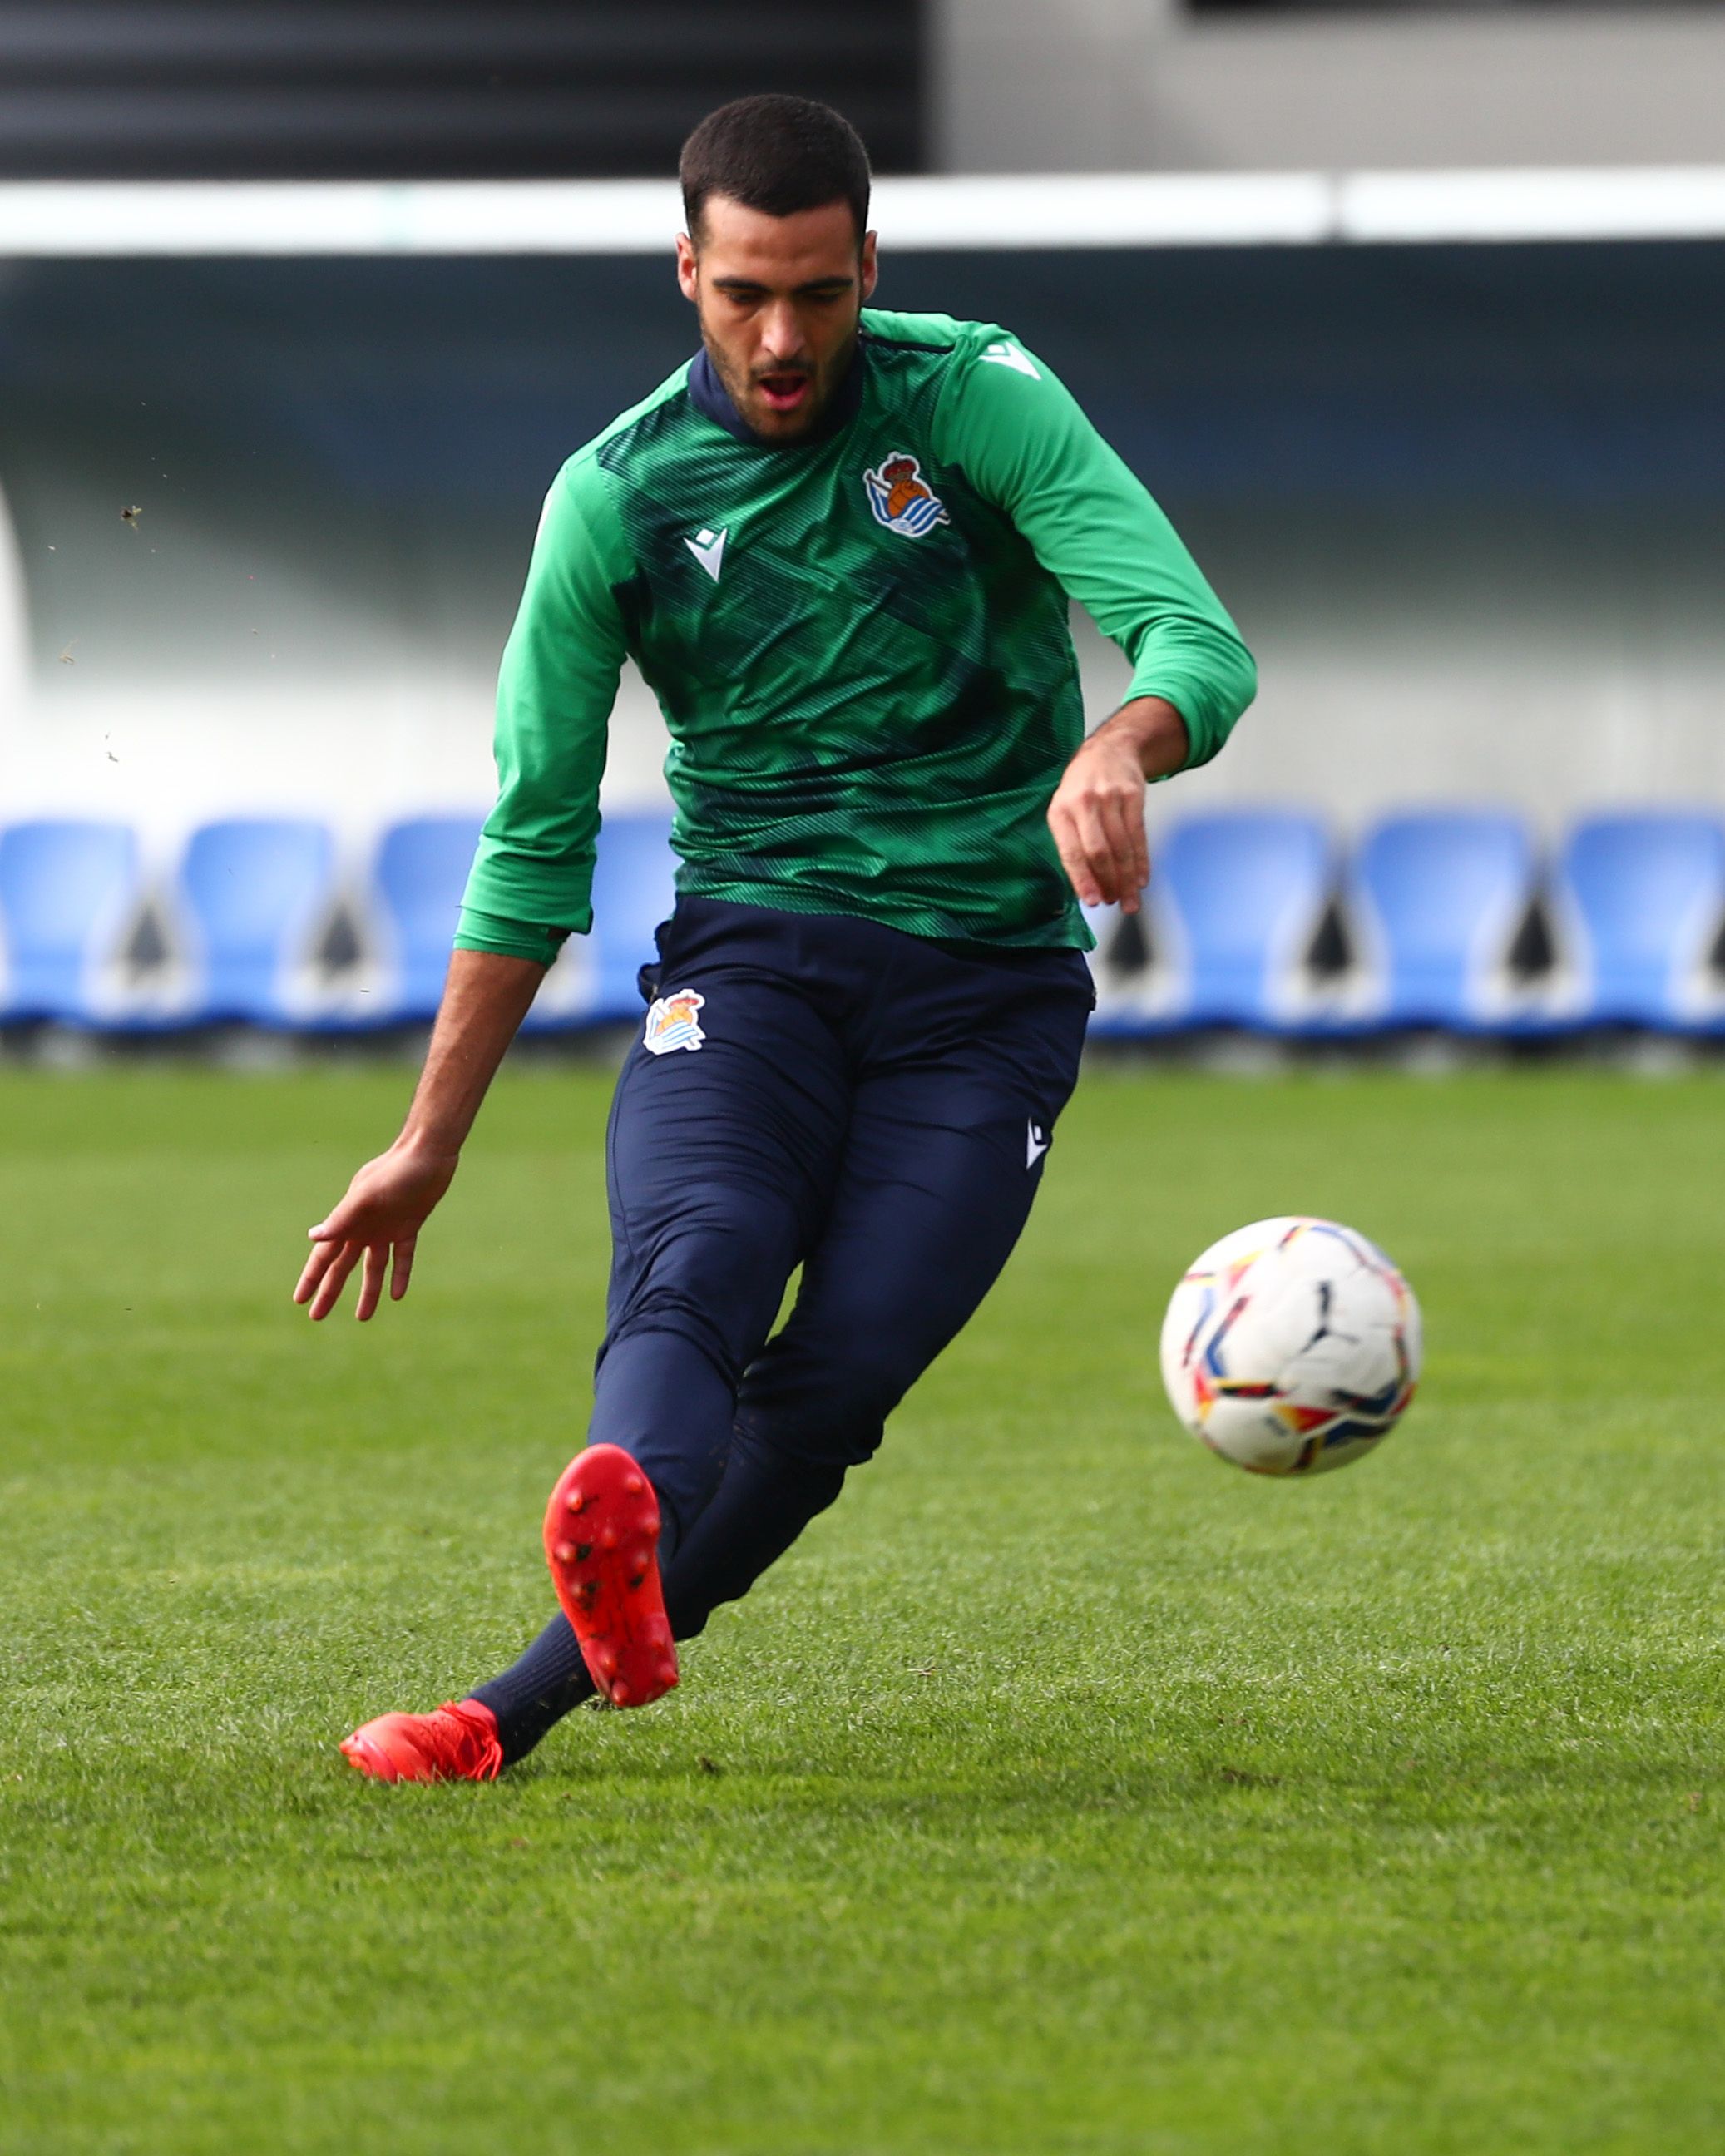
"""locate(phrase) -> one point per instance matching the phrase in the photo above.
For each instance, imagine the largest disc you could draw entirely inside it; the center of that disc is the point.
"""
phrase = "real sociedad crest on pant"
(901, 499)
(671, 1022)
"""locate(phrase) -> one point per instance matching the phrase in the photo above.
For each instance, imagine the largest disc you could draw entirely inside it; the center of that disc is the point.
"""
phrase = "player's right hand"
(376, 1224)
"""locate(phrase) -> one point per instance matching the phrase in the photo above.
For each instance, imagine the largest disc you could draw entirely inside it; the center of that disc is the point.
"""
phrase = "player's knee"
(719, 1284)
(835, 1414)
(721, 1255)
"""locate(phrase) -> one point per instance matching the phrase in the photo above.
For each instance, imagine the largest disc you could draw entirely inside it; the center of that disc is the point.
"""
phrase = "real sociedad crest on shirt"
(901, 499)
(671, 1022)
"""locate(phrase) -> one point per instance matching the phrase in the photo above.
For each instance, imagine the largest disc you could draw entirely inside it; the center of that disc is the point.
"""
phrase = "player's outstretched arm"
(1097, 813)
(376, 1224)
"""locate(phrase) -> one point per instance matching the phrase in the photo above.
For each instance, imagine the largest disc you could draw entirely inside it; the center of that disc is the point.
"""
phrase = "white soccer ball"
(1291, 1347)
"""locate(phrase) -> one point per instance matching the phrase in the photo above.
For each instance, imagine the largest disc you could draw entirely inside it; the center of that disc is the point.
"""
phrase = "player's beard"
(740, 382)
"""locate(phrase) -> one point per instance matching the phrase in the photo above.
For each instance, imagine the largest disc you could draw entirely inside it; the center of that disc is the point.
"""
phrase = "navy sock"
(764, 1501)
(534, 1693)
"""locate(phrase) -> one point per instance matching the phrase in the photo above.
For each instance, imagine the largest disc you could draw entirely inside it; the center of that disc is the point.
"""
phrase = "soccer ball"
(1291, 1347)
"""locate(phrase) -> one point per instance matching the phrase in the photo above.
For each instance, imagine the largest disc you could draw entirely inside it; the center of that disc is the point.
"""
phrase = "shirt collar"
(710, 396)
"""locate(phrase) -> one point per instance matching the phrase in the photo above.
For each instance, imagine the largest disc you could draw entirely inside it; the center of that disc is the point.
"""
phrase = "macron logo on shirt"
(1009, 355)
(708, 548)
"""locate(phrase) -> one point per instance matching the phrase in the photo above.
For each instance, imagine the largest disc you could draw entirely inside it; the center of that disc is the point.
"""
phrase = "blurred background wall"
(1116, 85)
(1465, 500)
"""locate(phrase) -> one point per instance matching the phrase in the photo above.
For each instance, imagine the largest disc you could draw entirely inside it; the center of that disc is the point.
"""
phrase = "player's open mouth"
(784, 392)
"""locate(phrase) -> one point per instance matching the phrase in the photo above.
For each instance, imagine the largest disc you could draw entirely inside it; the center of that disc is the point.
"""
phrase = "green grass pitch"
(1064, 1791)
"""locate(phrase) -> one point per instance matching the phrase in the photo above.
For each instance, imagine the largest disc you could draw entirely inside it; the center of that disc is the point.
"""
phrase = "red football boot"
(456, 1743)
(601, 1544)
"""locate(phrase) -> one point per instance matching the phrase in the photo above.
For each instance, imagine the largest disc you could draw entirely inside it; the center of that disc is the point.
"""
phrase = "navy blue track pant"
(809, 1090)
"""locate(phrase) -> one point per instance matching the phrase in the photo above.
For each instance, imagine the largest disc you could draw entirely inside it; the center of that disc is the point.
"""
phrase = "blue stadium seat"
(1238, 896)
(1437, 898)
(421, 872)
(66, 890)
(633, 889)
(1641, 897)
(253, 889)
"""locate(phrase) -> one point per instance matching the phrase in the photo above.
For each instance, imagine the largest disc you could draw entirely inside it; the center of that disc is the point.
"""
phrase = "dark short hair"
(778, 155)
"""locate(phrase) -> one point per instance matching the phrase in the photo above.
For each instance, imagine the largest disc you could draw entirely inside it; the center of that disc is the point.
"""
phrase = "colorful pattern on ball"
(1291, 1347)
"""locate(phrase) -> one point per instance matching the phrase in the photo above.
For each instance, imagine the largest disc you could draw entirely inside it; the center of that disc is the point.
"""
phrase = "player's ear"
(686, 277)
(870, 268)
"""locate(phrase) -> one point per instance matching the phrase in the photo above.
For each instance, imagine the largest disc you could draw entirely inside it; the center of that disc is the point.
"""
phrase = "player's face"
(779, 299)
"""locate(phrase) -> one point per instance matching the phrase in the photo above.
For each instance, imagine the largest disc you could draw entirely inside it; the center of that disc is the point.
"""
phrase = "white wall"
(358, 756)
(1438, 659)
(1551, 666)
(15, 627)
(331, 706)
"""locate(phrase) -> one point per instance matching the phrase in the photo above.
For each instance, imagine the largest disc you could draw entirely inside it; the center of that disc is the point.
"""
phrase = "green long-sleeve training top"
(859, 643)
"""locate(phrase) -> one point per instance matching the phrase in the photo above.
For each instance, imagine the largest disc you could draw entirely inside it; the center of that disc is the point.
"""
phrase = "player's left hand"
(1097, 818)
(1097, 813)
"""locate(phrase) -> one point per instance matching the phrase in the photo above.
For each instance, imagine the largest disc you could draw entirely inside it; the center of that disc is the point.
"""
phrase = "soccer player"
(839, 543)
